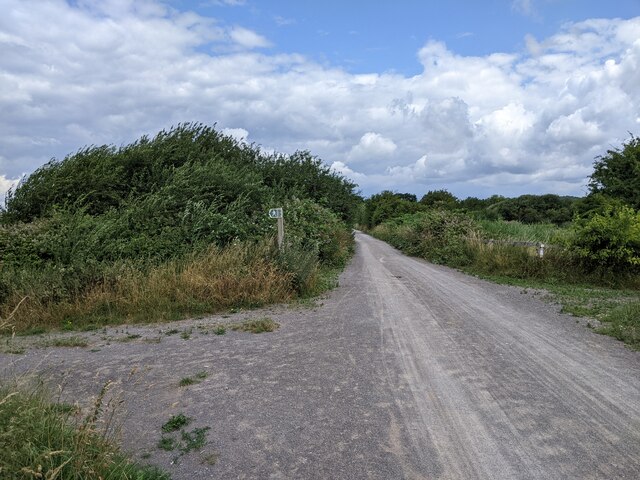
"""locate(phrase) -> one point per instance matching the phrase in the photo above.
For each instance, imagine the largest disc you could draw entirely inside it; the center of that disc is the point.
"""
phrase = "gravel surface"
(407, 370)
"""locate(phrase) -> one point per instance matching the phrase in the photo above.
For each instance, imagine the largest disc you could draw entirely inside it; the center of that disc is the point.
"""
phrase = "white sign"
(275, 213)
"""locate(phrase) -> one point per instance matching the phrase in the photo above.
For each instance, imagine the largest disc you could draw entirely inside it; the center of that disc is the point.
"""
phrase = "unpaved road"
(407, 370)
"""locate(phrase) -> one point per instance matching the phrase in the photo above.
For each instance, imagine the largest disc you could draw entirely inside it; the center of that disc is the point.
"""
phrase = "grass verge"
(218, 279)
(42, 439)
(609, 296)
(616, 310)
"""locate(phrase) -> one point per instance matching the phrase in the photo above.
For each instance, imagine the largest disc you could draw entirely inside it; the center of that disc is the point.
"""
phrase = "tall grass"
(547, 233)
(449, 238)
(40, 438)
(242, 275)
(623, 323)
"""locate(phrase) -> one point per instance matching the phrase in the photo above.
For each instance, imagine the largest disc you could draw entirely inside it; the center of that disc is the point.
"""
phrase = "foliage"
(439, 199)
(437, 235)
(77, 231)
(240, 275)
(617, 174)
(313, 228)
(515, 231)
(385, 206)
(535, 209)
(594, 203)
(609, 239)
(176, 422)
(41, 439)
(623, 323)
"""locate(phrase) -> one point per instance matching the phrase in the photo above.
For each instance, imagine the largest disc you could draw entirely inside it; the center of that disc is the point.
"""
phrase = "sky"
(478, 97)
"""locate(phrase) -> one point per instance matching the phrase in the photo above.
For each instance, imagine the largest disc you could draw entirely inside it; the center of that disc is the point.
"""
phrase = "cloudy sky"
(478, 97)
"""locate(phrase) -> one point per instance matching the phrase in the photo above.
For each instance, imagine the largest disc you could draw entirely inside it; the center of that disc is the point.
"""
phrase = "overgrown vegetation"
(167, 227)
(43, 439)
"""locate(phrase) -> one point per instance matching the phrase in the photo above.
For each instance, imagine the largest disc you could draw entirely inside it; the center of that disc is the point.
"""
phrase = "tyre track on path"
(406, 371)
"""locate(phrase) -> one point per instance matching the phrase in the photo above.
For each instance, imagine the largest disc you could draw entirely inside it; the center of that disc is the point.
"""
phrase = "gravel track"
(407, 370)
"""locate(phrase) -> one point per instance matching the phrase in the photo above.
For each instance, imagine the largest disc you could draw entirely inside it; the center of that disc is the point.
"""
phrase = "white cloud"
(240, 134)
(248, 38)
(108, 72)
(5, 185)
(372, 146)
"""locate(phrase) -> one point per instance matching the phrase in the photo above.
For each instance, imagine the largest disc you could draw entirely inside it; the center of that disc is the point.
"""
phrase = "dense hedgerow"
(73, 226)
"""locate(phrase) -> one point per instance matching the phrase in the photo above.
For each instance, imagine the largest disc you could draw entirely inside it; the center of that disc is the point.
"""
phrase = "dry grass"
(217, 279)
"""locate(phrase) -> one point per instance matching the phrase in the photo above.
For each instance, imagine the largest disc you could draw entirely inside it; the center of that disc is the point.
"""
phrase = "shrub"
(437, 235)
(609, 239)
(313, 228)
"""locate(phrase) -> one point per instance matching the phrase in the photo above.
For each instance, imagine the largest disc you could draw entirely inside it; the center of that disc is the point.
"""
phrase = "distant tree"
(385, 205)
(548, 208)
(617, 174)
(439, 199)
(595, 203)
(409, 197)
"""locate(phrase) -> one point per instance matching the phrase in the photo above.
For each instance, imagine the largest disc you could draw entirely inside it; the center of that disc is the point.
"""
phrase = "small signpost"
(277, 213)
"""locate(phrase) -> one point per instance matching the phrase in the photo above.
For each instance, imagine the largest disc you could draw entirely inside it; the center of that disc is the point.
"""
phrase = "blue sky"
(478, 97)
(365, 36)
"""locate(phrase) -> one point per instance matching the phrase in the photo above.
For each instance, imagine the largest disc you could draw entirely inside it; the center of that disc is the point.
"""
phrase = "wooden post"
(280, 232)
(279, 215)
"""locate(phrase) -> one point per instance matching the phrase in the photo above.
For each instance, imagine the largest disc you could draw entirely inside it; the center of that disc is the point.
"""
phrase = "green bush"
(74, 226)
(437, 235)
(313, 228)
(609, 240)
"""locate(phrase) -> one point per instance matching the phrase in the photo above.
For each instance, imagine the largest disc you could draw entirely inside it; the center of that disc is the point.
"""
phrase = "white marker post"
(277, 213)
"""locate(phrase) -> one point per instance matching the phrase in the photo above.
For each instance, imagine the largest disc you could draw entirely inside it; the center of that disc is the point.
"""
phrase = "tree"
(617, 174)
(439, 199)
(385, 205)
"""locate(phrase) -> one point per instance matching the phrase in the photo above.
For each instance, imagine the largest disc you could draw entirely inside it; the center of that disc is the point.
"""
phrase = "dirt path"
(407, 370)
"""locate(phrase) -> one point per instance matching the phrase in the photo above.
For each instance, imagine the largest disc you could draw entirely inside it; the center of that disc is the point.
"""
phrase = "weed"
(65, 408)
(186, 381)
(194, 439)
(259, 325)
(173, 331)
(167, 443)
(220, 330)
(41, 439)
(176, 422)
(186, 335)
(197, 378)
